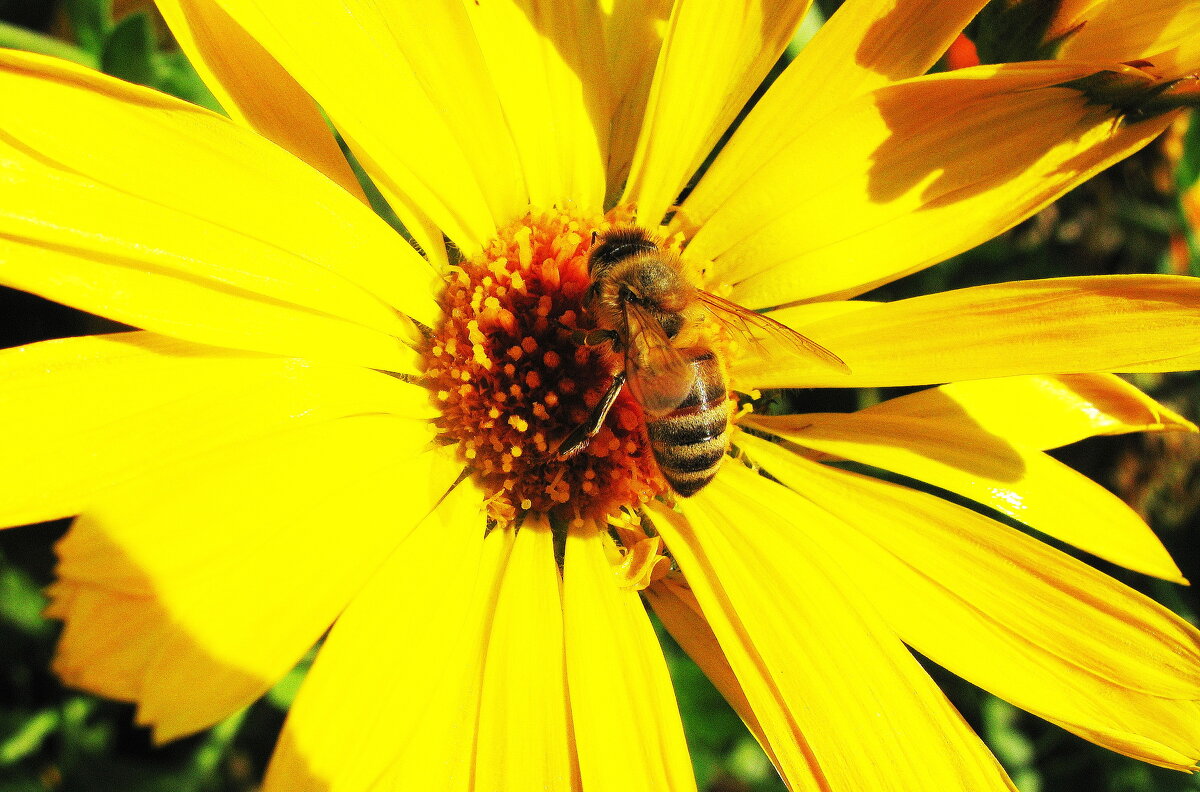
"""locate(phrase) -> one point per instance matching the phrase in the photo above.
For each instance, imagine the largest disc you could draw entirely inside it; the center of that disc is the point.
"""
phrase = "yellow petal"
(633, 35)
(791, 627)
(1010, 614)
(1118, 323)
(553, 87)
(627, 728)
(393, 695)
(714, 56)
(524, 734)
(1039, 411)
(676, 607)
(907, 176)
(82, 414)
(253, 88)
(231, 564)
(1021, 482)
(427, 125)
(166, 216)
(1164, 32)
(864, 45)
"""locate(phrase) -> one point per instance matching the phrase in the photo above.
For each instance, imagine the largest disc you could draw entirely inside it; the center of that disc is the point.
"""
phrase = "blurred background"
(1137, 217)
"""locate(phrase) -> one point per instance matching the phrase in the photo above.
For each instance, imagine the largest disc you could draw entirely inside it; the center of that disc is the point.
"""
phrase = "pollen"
(510, 379)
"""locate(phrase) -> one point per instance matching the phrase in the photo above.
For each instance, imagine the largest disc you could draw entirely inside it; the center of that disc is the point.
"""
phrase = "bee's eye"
(627, 294)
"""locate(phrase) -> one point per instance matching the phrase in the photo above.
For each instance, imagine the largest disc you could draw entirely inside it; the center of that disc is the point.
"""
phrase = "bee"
(644, 303)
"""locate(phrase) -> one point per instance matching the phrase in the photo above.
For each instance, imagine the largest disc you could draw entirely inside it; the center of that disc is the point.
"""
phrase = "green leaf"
(21, 601)
(284, 691)
(1010, 745)
(178, 78)
(14, 37)
(28, 738)
(129, 52)
(1187, 172)
(92, 22)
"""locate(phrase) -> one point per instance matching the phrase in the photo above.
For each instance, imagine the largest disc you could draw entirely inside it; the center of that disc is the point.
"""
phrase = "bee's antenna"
(594, 235)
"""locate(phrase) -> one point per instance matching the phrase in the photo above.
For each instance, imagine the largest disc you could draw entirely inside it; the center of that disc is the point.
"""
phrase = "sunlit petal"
(633, 36)
(524, 734)
(905, 177)
(1039, 411)
(553, 86)
(253, 88)
(985, 601)
(886, 724)
(427, 125)
(864, 45)
(378, 699)
(676, 607)
(714, 56)
(1164, 32)
(1021, 482)
(225, 565)
(81, 414)
(632, 741)
(163, 215)
(1120, 323)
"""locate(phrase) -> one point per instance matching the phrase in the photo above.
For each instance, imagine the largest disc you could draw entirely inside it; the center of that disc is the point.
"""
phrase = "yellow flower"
(1164, 34)
(276, 450)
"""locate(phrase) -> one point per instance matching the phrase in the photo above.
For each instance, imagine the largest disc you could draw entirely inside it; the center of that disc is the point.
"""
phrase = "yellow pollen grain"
(551, 399)
(529, 344)
(533, 379)
(518, 423)
(493, 413)
(524, 248)
(551, 359)
(526, 504)
(551, 275)
(515, 451)
(515, 352)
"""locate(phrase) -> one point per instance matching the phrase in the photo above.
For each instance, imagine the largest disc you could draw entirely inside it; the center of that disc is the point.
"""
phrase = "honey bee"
(643, 303)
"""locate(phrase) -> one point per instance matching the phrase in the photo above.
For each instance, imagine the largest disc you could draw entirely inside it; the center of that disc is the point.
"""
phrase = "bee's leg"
(575, 442)
(595, 337)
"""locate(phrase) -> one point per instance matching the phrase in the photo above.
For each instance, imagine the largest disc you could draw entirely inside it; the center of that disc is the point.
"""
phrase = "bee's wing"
(746, 322)
(658, 375)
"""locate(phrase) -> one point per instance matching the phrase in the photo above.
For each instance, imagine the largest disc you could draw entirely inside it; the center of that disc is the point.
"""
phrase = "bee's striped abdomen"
(689, 442)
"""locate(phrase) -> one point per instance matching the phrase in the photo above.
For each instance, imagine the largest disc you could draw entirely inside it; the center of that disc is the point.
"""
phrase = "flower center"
(511, 378)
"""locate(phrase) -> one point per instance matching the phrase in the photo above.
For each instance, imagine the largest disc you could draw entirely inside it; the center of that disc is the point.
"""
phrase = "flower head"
(320, 420)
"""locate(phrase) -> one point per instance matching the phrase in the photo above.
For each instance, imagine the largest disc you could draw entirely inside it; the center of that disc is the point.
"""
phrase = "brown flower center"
(511, 380)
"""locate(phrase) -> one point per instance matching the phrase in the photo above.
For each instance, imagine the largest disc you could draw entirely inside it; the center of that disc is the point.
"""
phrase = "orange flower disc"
(511, 382)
